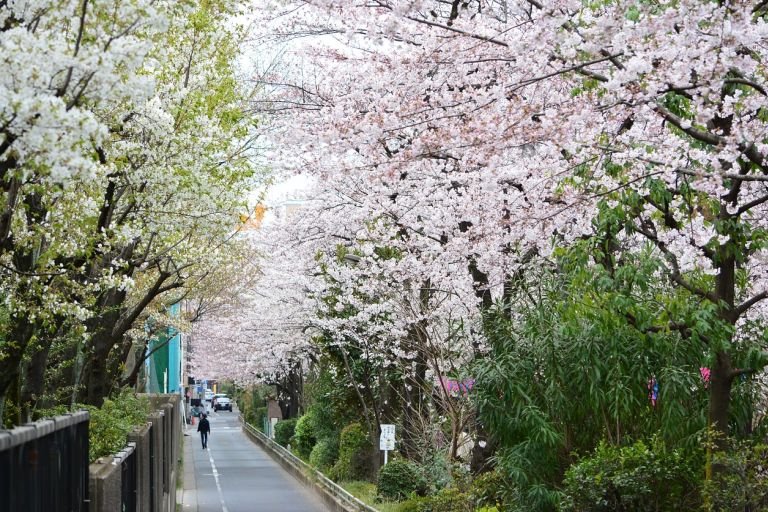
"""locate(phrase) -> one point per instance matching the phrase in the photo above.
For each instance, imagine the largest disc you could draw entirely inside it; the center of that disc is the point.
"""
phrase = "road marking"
(218, 484)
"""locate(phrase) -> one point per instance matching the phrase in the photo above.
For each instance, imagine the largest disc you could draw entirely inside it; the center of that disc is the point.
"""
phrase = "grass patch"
(366, 492)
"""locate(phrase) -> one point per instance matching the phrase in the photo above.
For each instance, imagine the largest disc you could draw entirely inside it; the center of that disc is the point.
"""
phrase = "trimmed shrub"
(284, 431)
(324, 454)
(355, 451)
(400, 479)
(304, 438)
(637, 477)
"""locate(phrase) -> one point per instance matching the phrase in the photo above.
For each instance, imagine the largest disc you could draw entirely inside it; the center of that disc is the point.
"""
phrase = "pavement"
(236, 475)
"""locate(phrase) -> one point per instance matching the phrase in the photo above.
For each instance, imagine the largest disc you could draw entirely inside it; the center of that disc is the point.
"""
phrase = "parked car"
(208, 395)
(222, 403)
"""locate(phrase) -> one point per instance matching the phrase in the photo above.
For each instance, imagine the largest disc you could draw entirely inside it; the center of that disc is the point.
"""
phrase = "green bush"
(742, 480)
(284, 431)
(251, 404)
(414, 504)
(110, 424)
(490, 489)
(400, 479)
(257, 417)
(447, 500)
(305, 438)
(438, 472)
(324, 454)
(355, 449)
(637, 477)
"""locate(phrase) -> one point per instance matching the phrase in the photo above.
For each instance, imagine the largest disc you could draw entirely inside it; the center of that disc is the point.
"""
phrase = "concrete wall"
(170, 407)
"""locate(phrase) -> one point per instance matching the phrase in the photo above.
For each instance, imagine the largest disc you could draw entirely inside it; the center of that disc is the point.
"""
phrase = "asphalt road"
(235, 475)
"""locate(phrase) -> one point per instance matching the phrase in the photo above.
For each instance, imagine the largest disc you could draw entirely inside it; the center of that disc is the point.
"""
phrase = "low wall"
(335, 497)
(44, 465)
(142, 477)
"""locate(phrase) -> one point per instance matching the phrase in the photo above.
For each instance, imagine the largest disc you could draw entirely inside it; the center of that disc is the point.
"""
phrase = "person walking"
(204, 428)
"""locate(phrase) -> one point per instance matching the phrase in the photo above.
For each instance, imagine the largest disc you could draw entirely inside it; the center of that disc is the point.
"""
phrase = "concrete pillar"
(141, 437)
(157, 454)
(105, 486)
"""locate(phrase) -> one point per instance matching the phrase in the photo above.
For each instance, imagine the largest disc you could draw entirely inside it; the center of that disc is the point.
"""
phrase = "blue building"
(163, 366)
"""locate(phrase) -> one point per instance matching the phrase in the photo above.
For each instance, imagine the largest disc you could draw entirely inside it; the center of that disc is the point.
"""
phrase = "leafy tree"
(571, 365)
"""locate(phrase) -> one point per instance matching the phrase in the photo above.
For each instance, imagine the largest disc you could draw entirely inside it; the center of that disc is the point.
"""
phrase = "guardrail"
(332, 493)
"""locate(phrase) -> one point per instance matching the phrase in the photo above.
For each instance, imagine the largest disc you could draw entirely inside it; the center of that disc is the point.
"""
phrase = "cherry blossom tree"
(123, 149)
(257, 327)
(472, 135)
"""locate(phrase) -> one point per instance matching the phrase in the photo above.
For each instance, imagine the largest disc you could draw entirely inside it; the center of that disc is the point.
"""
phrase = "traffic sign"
(387, 440)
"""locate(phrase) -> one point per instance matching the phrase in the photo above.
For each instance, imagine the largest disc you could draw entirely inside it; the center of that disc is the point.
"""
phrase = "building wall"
(174, 355)
(163, 367)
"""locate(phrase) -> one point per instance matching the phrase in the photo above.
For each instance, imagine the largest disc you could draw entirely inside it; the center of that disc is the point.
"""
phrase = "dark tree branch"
(748, 206)
(674, 272)
(744, 306)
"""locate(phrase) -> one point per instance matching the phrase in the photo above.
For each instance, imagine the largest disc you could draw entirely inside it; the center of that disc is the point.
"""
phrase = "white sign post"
(387, 440)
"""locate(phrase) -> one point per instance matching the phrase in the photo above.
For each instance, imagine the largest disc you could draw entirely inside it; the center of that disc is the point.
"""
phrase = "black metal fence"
(44, 465)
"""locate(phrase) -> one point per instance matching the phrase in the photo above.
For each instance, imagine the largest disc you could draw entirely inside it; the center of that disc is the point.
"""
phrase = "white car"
(222, 402)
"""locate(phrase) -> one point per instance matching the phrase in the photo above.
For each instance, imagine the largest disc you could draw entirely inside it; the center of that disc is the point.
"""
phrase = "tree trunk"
(10, 364)
(415, 386)
(34, 382)
(377, 456)
(721, 373)
(96, 377)
(720, 394)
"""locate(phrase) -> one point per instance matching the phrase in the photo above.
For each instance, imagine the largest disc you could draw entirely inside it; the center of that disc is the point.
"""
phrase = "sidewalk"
(187, 495)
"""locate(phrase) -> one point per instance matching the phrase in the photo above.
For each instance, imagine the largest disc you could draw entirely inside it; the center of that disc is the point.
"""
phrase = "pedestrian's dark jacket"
(204, 426)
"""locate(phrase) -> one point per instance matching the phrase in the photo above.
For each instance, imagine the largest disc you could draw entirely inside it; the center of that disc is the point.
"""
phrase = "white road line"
(218, 484)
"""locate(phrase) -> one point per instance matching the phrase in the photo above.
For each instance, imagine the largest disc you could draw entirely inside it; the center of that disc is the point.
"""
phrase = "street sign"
(387, 440)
